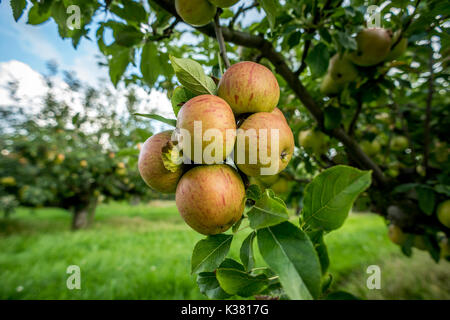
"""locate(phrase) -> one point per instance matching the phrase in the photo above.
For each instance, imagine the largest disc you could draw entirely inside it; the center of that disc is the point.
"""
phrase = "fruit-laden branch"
(267, 50)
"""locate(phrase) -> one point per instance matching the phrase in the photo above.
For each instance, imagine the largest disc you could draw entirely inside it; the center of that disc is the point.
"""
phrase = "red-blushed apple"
(195, 12)
(156, 169)
(279, 114)
(211, 125)
(211, 198)
(373, 47)
(258, 150)
(249, 87)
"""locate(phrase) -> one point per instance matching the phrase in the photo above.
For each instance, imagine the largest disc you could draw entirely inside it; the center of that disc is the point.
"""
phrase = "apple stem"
(220, 40)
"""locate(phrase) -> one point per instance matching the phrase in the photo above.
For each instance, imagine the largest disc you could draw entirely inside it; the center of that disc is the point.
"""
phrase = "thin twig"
(240, 11)
(220, 40)
(352, 127)
(428, 112)
(406, 26)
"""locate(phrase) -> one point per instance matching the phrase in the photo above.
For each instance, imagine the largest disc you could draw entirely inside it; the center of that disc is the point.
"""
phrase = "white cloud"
(31, 88)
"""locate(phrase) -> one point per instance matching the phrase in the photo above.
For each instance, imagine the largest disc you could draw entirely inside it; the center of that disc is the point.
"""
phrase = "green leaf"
(271, 8)
(18, 6)
(330, 196)
(150, 67)
(35, 16)
(171, 122)
(346, 41)
(441, 188)
(332, 118)
(210, 287)
(290, 253)
(253, 192)
(317, 59)
(127, 36)
(321, 249)
(210, 252)
(246, 253)
(180, 96)
(129, 11)
(427, 199)
(118, 64)
(267, 211)
(234, 280)
(191, 75)
(128, 152)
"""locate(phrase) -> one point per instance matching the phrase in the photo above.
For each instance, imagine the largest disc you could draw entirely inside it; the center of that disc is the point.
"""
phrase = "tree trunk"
(83, 215)
(80, 218)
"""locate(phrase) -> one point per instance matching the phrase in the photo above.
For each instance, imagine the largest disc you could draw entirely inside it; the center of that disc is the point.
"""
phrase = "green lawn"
(143, 252)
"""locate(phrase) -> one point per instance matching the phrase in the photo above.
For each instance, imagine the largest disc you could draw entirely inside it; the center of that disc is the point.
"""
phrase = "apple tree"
(362, 85)
(70, 156)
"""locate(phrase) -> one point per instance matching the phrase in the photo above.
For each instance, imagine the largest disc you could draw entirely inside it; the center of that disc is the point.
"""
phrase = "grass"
(143, 252)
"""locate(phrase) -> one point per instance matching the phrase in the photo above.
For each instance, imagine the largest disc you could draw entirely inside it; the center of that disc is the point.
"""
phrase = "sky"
(35, 45)
(25, 51)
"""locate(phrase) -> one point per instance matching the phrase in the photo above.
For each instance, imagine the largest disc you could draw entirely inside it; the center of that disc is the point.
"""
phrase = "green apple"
(443, 213)
(211, 198)
(399, 143)
(373, 47)
(370, 147)
(195, 12)
(268, 180)
(329, 86)
(249, 87)
(399, 49)
(342, 70)
(313, 141)
(224, 3)
(281, 186)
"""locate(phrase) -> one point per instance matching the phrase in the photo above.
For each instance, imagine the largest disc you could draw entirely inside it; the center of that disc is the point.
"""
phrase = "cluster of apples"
(374, 46)
(211, 196)
(200, 12)
(399, 237)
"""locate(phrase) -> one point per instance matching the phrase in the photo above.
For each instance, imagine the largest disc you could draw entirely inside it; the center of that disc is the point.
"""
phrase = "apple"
(399, 49)
(399, 143)
(8, 181)
(60, 158)
(329, 86)
(443, 213)
(313, 141)
(279, 113)
(419, 242)
(396, 235)
(154, 168)
(370, 148)
(249, 87)
(373, 47)
(224, 3)
(256, 132)
(83, 163)
(211, 198)
(342, 70)
(268, 180)
(195, 12)
(441, 151)
(281, 186)
(214, 115)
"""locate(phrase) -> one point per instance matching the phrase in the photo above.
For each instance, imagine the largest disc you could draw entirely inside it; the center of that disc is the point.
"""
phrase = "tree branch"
(219, 37)
(352, 127)
(268, 51)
